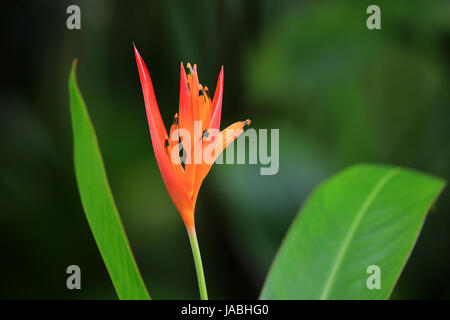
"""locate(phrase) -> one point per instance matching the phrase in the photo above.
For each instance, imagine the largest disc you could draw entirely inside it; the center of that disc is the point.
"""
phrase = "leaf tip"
(74, 64)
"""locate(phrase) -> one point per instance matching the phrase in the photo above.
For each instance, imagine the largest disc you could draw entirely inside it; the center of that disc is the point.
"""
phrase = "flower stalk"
(198, 263)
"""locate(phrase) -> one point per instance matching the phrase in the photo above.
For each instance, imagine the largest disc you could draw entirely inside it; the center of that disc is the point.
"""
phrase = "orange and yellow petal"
(220, 142)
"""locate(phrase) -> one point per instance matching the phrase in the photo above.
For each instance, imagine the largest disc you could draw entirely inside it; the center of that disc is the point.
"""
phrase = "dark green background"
(339, 93)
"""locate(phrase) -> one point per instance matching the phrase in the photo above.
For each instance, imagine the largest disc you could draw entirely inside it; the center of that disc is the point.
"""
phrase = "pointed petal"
(159, 141)
(204, 107)
(186, 115)
(194, 85)
(190, 167)
(186, 119)
(151, 105)
(217, 103)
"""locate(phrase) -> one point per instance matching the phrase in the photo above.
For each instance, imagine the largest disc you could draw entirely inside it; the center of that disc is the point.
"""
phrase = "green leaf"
(98, 202)
(366, 215)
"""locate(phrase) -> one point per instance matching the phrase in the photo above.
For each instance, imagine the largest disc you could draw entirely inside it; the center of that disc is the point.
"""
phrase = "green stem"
(198, 264)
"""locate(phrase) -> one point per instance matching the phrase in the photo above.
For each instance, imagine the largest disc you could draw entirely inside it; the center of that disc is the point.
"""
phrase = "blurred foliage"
(338, 92)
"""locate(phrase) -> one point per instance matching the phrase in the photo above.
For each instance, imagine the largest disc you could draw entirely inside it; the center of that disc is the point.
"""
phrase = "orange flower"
(196, 113)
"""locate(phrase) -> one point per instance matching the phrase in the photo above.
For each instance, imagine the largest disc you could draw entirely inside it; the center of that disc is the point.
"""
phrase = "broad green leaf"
(366, 215)
(98, 202)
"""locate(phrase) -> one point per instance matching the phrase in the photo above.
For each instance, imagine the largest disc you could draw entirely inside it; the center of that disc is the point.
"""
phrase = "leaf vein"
(354, 226)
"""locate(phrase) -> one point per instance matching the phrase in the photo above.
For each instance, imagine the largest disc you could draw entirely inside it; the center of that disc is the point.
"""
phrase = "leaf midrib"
(354, 226)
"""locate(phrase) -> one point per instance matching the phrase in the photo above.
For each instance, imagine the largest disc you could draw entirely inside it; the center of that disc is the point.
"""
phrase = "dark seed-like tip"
(206, 91)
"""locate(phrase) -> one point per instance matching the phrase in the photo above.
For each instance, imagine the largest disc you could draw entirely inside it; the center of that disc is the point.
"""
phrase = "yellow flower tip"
(189, 70)
(201, 91)
(206, 92)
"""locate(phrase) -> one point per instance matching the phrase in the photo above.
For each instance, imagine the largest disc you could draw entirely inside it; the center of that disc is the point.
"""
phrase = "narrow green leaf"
(366, 215)
(98, 202)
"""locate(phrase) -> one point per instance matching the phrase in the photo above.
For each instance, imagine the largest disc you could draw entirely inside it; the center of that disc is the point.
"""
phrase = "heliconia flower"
(183, 180)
